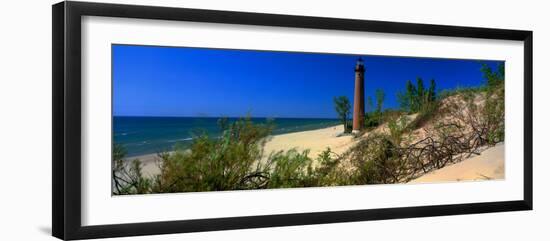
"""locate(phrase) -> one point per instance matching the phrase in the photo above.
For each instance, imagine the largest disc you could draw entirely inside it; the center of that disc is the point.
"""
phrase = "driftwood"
(461, 129)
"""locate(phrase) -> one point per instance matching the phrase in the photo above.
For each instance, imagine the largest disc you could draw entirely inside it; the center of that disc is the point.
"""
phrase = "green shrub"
(291, 169)
(493, 78)
(226, 163)
(127, 176)
(235, 161)
(326, 162)
(371, 120)
(397, 127)
(374, 160)
(493, 112)
(328, 172)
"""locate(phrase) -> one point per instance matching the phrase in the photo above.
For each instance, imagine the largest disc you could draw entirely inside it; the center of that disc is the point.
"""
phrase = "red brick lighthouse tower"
(359, 98)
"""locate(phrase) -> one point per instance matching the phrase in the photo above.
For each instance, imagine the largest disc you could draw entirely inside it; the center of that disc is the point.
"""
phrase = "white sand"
(487, 166)
(149, 164)
(315, 140)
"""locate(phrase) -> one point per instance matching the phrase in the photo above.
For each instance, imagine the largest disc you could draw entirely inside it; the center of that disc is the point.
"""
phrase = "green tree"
(421, 93)
(371, 116)
(411, 97)
(501, 71)
(493, 78)
(380, 96)
(369, 104)
(431, 91)
(404, 101)
(343, 108)
(416, 97)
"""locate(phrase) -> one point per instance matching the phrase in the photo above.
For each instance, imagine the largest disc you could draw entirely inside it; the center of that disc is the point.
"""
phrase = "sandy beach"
(315, 140)
(149, 164)
(487, 166)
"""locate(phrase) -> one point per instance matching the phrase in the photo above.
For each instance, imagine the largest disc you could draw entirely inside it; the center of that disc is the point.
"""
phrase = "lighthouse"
(359, 97)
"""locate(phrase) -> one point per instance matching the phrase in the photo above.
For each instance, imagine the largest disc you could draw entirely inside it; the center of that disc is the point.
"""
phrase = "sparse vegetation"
(372, 120)
(232, 162)
(456, 125)
(397, 127)
(380, 97)
(493, 78)
(127, 177)
(417, 98)
(374, 116)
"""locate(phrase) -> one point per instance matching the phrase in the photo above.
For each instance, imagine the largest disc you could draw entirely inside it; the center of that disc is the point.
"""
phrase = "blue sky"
(174, 81)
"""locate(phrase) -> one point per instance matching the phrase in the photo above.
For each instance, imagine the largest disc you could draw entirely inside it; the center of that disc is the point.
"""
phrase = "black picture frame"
(66, 128)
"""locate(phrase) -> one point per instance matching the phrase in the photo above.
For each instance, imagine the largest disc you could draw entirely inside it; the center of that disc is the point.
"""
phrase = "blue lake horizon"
(141, 135)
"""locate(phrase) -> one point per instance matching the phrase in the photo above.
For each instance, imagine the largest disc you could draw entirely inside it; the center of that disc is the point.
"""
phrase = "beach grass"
(433, 139)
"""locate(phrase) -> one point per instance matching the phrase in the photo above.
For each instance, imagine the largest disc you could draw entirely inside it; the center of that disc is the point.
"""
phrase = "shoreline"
(315, 140)
(489, 165)
(136, 133)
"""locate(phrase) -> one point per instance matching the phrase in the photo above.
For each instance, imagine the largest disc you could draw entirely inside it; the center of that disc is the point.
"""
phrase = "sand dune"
(487, 166)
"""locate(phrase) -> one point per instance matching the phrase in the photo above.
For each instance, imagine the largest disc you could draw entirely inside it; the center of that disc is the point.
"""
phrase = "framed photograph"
(169, 120)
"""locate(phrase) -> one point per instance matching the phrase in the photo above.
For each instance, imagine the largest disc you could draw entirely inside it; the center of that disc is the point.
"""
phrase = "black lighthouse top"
(360, 65)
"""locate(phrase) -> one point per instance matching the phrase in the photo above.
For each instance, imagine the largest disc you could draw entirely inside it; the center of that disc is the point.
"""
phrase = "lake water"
(146, 135)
